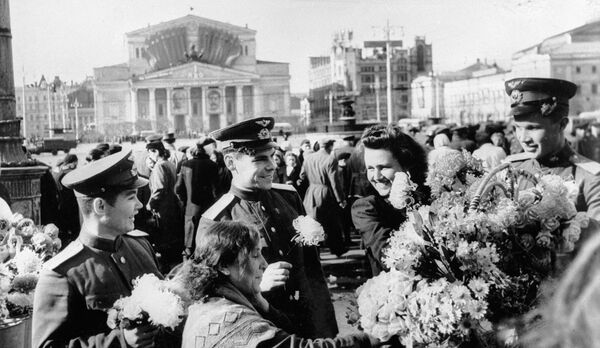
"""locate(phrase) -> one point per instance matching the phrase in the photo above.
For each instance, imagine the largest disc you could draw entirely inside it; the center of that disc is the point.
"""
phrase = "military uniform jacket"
(376, 219)
(568, 164)
(79, 285)
(305, 298)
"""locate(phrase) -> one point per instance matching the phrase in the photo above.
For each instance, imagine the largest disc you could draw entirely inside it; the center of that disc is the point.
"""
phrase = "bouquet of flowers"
(308, 231)
(24, 247)
(475, 255)
(152, 301)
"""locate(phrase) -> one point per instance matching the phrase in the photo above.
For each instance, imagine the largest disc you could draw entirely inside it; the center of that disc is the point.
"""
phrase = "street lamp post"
(76, 106)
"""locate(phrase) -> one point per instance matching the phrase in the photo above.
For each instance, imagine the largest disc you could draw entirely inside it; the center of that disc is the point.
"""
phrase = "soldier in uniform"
(540, 107)
(293, 281)
(79, 285)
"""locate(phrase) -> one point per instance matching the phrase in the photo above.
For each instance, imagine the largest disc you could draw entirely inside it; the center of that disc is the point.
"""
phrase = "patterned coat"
(305, 298)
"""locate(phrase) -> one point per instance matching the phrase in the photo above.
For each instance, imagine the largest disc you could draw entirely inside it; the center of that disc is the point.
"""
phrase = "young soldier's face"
(254, 172)
(381, 169)
(539, 135)
(120, 216)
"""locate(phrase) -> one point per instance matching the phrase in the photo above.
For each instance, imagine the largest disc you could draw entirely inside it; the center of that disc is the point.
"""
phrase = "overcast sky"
(69, 38)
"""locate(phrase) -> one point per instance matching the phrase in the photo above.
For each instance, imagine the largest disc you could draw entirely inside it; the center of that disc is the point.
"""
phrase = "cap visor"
(523, 110)
(140, 182)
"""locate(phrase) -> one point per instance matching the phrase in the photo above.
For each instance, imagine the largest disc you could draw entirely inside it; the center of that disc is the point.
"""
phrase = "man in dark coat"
(79, 285)
(294, 281)
(324, 198)
(196, 189)
(540, 107)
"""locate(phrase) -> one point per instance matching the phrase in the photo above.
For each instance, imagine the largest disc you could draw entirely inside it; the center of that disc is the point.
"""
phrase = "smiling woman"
(387, 151)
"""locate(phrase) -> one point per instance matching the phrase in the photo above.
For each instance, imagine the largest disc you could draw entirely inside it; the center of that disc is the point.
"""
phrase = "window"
(137, 52)
(593, 69)
(578, 69)
(594, 88)
(160, 110)
(246, 50)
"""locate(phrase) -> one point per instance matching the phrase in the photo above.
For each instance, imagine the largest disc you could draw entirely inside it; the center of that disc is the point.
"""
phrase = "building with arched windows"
(192, 75)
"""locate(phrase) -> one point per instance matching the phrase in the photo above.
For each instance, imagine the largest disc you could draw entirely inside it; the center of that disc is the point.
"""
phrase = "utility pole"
(389, 44)
(24, 112)
(50, 130)
(76, 106)
(377, 87)
(62, 106)
(330, 106)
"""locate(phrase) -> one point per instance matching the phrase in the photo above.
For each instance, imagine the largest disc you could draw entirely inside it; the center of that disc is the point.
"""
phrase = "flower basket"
(15, 332)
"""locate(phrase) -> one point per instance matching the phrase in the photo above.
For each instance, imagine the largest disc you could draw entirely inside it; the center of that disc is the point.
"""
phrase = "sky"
(69, 38)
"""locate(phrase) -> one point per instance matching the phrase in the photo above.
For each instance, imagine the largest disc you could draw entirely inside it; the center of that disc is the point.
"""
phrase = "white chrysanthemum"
(20, 299)
(405, 247)
(27, 261)
(400, 194)
(479, 287)
(308, 231)
(163, 307)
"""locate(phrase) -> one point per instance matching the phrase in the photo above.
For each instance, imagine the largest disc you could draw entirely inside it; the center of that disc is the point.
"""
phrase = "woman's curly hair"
(221, 245)
(406, 150)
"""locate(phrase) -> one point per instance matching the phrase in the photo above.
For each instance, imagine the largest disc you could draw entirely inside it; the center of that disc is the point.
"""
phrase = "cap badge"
(263, 123)
(516, 96)
(513, 84)
(264, 134)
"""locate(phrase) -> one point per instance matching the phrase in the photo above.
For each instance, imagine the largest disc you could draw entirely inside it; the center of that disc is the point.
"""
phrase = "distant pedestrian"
(223, 174)
(441, 148)
(67, 219)
(175, 157)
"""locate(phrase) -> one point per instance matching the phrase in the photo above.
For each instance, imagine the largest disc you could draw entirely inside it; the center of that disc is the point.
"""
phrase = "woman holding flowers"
(388, 153)
(224, 279)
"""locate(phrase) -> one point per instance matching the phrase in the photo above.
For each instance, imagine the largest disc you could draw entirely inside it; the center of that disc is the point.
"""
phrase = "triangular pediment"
(197, 71)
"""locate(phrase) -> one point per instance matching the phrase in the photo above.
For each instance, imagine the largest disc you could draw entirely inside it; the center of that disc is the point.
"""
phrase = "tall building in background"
(190, 74)
(360, 74)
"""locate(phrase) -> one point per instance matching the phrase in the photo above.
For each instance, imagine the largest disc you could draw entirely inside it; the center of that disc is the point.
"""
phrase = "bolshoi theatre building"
(190, 74)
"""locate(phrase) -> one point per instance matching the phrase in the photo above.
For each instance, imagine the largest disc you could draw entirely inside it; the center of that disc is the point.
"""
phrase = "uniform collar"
(561, 158)
(96, 242)
(247, 195)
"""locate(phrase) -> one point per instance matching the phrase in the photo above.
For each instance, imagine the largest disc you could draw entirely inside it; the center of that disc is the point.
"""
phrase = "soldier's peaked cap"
(531, 94)
(114, 172)
(254, 133)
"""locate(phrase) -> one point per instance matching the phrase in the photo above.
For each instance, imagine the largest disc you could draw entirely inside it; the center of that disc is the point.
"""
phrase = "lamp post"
(76, 106)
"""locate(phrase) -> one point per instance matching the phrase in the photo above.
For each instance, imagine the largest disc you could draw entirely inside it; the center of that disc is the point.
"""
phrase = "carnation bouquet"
(24, 247)
(309, 231)
(476, 255)
(152, 301)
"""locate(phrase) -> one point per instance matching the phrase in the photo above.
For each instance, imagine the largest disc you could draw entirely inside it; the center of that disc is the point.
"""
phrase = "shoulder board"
(71, 250)
(137, 233)
(586, 164)
(517, 157)
(284, 187)
(219, 206)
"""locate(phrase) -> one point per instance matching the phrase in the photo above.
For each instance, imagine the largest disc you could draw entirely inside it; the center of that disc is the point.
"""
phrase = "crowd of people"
(227, 213)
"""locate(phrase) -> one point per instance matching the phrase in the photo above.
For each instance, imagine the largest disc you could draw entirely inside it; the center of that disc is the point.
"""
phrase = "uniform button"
(280, 252)
(263, 208)
(122, 259)
(272, 229)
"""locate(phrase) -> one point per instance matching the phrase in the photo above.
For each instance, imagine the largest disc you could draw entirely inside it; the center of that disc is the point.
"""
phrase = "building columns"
(134, 106)
(190, 114)
(223, 118)
(205, 121)
(257, 100)
(239, 103)
(152, 107)
(169, 114)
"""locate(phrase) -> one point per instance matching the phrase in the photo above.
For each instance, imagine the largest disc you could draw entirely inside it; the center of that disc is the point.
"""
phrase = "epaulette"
(586, 164)
(284, 187)
(71, 250)
(219, 206)
(137, 233)
(518, 157)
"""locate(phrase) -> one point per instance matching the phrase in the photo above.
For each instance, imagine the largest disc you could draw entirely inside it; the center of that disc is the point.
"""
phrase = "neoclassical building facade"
(190, 74)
